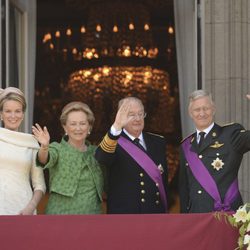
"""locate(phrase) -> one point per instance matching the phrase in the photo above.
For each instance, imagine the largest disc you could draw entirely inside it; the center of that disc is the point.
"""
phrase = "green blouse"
(75, 180)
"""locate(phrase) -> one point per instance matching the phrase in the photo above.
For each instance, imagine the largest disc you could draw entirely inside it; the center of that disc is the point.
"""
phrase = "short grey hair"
(198, 94)
(131, 98)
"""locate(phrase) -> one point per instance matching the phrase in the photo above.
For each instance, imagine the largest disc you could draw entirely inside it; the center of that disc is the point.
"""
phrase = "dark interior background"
(53, 69)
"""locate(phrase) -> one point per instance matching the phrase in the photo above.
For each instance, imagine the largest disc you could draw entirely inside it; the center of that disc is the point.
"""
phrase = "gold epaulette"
(108, 145)
(228, 124)
(155, 134)
(187, 137)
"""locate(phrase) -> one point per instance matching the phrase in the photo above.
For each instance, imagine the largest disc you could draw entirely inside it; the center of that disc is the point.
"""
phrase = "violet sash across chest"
(145, 162)
(203, 176)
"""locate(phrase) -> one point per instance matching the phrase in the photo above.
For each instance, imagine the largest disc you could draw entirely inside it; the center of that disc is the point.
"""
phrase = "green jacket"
(65, 165)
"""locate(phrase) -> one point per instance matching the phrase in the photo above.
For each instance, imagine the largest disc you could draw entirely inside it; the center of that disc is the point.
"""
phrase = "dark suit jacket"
(130, 189)
(234, 141)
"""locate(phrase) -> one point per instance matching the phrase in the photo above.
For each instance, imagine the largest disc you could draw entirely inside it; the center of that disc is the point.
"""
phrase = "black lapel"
(194, 142)
(211, 137)
(149, 145)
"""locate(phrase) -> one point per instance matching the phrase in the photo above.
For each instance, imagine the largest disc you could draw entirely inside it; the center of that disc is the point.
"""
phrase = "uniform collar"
(132, 137)
(207, 130)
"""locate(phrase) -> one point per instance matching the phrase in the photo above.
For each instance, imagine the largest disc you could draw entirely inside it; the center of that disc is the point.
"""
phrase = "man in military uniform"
(210, 160)
(136, 163)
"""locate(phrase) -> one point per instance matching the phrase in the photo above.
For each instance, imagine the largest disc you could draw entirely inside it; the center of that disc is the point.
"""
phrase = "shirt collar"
(132, 137)
(207, 130)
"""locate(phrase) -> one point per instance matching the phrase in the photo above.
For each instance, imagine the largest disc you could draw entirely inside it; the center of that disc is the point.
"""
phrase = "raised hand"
(122, 117)
(248, 96)
(42, 135)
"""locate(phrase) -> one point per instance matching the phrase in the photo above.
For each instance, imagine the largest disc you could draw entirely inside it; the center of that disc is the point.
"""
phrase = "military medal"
(217, 164)
(161, 168)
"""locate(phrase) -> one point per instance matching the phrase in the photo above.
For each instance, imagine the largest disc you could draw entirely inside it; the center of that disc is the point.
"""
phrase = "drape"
(186, 47)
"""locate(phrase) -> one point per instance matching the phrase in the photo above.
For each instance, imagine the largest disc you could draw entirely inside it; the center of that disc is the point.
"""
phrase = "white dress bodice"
(19, 175)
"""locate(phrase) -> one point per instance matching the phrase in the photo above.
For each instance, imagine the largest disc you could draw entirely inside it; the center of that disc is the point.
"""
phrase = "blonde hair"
(12, 93)
(77, 106)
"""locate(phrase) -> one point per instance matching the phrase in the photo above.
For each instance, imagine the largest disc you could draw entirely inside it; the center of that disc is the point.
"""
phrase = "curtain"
(29, 85)
(185, 27)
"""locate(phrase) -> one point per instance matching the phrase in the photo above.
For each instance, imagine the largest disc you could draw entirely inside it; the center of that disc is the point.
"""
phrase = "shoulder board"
(228, 124)
(187, 137)
(161, 136)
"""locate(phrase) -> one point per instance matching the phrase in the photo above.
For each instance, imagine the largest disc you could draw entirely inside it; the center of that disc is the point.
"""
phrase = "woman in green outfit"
(76, 179)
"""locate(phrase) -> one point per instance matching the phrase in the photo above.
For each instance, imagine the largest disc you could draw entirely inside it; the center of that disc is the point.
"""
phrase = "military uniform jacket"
(221, 153)
(130, 190)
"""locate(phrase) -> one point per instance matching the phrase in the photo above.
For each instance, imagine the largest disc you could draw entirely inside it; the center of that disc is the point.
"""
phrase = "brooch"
(160, 168)
(217, 164)
(217, 145)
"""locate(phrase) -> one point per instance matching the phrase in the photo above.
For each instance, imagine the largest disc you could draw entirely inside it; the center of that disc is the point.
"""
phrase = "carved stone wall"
(227, 67)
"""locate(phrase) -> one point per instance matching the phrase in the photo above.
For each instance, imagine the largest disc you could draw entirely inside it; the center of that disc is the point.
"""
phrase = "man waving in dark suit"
(136, 163)
(210, 160)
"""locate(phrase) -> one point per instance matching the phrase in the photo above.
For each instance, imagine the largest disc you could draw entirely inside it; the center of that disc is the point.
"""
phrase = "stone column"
(227, 67)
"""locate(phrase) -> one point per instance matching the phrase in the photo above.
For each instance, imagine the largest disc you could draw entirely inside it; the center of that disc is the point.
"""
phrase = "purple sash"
(202, 175)
(146, 163)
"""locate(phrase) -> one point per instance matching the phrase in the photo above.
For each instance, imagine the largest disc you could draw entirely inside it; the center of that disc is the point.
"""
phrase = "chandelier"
(112, 29)
(95, 85)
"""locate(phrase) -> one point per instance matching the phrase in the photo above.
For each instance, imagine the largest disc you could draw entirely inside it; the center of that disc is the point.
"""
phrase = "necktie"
(202, 136)
(137, 143)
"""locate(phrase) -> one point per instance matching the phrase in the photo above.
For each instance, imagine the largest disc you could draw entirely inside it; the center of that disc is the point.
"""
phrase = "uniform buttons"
(157, 193)
(143, 191)
(200, 156)
(157, 184)
(142, 183)
(141, 174)
(157, 202)
(143, 200)
(199, 192)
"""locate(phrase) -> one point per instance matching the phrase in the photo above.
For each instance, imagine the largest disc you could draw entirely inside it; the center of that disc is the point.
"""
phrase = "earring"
(89, 133)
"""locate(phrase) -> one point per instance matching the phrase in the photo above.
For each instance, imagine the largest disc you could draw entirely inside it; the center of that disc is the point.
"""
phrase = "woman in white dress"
(21, 182)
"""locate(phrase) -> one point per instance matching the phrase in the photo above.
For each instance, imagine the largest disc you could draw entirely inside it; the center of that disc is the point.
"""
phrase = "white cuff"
(114, 131)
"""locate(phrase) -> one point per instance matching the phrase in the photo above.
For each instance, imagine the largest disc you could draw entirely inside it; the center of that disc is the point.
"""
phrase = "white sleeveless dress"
(19, 175)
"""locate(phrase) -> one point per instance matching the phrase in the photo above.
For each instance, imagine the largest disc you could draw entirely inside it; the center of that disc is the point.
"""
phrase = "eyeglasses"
(139, 116)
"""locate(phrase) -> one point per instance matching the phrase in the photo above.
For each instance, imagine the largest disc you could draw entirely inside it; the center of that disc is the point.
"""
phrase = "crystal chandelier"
(94, 85)
(112, 29)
